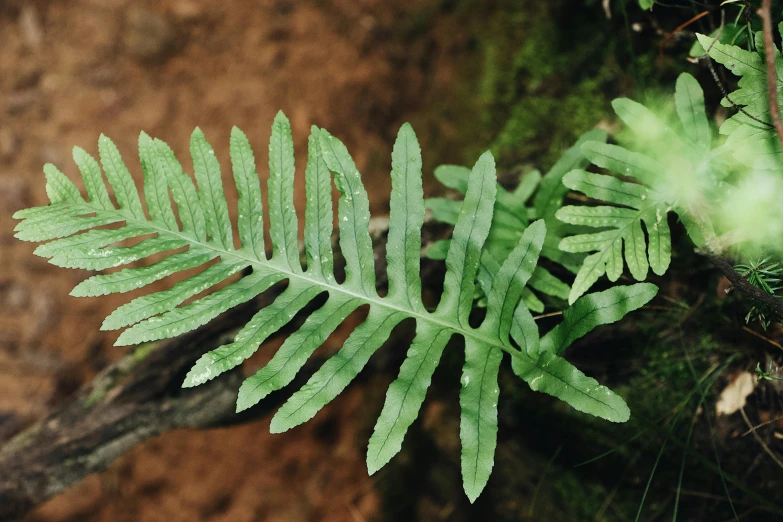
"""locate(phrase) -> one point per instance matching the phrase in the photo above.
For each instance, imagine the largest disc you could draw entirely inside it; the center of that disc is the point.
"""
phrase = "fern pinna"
(206, 232)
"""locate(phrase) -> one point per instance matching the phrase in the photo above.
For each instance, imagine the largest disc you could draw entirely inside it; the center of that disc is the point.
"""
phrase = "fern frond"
(751, 136)
(512, 214)
(207, 237)
(550, 195)
(623, 227)
(509, 221)
(642, 205)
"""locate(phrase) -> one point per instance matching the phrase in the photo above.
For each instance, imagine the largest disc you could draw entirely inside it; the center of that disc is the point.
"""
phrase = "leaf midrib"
(577, 388)
(411, 382)
(212, 199)
(478, 415)
(431, 317)
(576, 323)
(303, 343)
(621, 230)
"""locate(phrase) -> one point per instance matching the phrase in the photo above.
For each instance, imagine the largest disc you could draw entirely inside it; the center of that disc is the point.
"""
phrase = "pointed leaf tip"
(281, 117)
(200, 373)
(537, 227)
(487, 157)
(278, 426)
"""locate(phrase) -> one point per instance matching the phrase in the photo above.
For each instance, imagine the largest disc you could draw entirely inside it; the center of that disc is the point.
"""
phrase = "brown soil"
(70, 70)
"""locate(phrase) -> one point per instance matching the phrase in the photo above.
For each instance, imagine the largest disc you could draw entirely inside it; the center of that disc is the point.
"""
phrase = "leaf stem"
(309, 278)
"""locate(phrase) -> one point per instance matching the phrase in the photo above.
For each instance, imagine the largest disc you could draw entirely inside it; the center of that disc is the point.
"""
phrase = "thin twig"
(682, 305)
(772, 81)
(550, 314)
(768, 451)
(767, 339)
(680, 28)
(757, 426)
(701, 494)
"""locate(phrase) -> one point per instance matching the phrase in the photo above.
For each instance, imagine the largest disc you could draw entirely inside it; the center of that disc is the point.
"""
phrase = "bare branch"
(772, 81)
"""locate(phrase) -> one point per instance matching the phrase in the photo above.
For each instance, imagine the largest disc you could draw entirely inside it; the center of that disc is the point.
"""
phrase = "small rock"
(18, 298)
(368, 22)
(149, 37)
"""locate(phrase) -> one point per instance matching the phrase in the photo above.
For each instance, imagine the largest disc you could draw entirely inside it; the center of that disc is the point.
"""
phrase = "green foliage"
(205, 239)
(677, 179)
(767, 375)
(509, 221)
(538, 92)
(513, 213)
(730, 33)
(751, 136)
(765, 275)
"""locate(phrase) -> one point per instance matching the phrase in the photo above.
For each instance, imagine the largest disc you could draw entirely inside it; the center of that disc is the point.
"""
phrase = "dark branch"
(137, 398)
(744, 286)
(772, 81)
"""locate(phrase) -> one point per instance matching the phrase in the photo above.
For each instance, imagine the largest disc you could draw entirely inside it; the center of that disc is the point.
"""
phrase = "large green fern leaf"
(201, 227)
